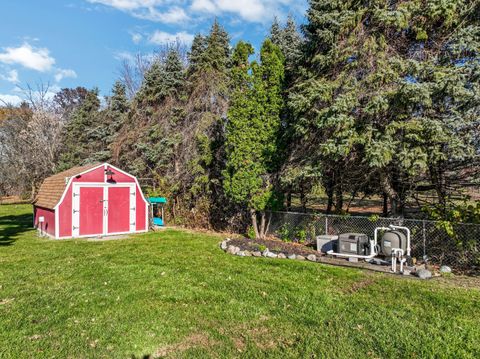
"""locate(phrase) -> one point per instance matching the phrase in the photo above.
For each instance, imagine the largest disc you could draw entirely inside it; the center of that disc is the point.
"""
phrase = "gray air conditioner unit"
(353, 243)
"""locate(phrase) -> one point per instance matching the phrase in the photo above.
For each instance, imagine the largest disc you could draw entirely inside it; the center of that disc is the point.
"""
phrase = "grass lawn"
(175, 293)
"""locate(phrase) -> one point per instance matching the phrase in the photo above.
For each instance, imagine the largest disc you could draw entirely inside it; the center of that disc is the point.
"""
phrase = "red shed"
(91, 200)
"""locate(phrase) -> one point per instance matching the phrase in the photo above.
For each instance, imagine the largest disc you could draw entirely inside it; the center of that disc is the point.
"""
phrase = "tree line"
(367, 98)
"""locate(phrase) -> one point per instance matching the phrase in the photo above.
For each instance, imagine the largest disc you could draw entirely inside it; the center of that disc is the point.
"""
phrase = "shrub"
(300, 236)
(285, 233)
(250, 232)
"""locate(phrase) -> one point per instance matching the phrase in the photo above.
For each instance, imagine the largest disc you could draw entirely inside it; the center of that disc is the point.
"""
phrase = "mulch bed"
(273, 245)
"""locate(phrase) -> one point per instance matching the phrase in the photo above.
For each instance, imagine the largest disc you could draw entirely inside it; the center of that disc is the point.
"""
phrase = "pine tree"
(79, 132)
(218, 48)
(196, 54)
(383, 89)
(118, 102)
(276, 33)
(112, 118)
(289, 40)
(173, 81)
(151, 92)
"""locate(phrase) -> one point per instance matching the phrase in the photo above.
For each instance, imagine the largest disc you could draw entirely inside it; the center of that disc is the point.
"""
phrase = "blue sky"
(82, 42)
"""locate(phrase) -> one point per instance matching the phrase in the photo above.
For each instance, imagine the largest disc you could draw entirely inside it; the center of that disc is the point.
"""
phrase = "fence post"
(326, 225)
(424, 239)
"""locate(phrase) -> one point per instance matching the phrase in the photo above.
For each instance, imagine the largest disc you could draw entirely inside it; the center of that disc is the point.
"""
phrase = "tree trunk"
(262, 225)
(303, 199)
(253, 218)
(338, 198)
(329, 189)
(385, 205)
(390, 193)
(289, 200)
(437, 177)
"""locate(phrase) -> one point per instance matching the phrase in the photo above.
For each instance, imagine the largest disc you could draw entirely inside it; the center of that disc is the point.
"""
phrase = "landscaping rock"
(281, 255)
(265, 252)
(423, 274)
(292, 256)
(445, 269)
(241, 253)
(247, 253)
(233, 250)
(257, 254)
(271, 255)
(312, 257)
(224, 244)
(300, 258)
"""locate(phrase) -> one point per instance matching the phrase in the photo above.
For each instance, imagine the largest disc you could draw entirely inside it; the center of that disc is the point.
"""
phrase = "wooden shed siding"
(48, 226)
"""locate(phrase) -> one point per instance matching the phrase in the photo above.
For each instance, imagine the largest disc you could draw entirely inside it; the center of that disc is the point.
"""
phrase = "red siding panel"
(120, 177)
(91, 211)
(96, 175)
(48, 225)
(141, 212)
(65, 215)
(118, 209)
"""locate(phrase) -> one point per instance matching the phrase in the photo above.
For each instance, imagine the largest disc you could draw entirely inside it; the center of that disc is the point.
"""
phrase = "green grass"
(176, 293)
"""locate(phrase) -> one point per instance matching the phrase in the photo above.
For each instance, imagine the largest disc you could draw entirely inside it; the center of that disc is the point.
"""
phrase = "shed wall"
(48, 225)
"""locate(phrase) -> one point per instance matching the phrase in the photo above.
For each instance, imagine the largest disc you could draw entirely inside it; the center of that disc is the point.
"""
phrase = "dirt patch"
(201, 340)
(366, 281)
(273, 245)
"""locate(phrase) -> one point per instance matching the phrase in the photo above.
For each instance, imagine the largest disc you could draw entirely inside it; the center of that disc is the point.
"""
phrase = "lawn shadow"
(12, 226)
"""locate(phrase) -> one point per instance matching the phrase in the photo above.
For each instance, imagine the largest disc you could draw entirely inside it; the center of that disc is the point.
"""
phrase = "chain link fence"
(458, 247)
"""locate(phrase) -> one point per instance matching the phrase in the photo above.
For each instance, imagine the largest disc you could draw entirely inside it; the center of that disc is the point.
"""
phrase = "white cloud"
(38, 59)
(161, 37)
(124, 55)
(136, 38)
(11, 76)
(10, 99)
(249, 10)
(128, 4)
(180, 11)
(63, 73)
(174, 15)
(148, 9)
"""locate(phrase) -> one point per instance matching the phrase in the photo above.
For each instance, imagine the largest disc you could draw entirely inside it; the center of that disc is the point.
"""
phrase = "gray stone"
(265, 252)
(292, 256)
(281, 255)
(224, 245)
(271, 255)
(257, 254)
(247, 253)
(406, 272)
(312, 257)
(353, 259)
(423, 274)
(445, 269)
(233, 250)
(300, 258)
(241, 253)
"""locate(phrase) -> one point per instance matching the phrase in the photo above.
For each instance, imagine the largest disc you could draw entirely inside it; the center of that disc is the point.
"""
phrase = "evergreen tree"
(173, 81)
(152, 90)
(252, 129)
(118, 102)
(289, 40)
(382, 91)
(196, 54)
(218, 48)
(78, 134)
(276, 33)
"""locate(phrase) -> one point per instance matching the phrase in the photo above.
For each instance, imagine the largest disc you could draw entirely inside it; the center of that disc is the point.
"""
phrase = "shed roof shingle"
(53, 187)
